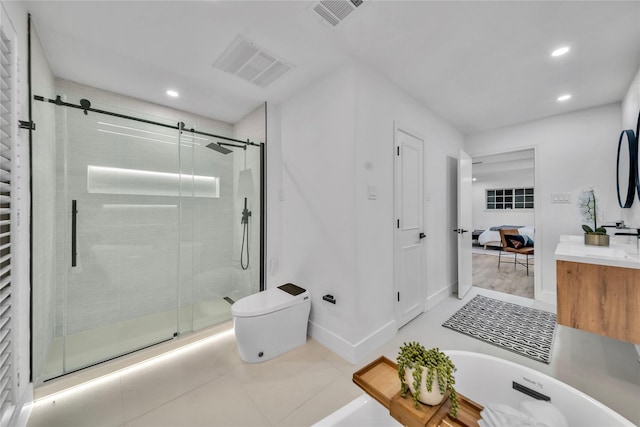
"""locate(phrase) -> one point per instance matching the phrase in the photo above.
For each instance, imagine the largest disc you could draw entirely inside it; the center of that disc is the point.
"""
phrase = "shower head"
(219, 148)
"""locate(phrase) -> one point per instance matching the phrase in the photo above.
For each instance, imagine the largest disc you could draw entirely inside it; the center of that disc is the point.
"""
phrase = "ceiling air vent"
(334, 12)
(245, 59)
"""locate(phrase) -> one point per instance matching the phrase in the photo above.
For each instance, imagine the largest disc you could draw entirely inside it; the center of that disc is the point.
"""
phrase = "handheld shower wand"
(246, 213)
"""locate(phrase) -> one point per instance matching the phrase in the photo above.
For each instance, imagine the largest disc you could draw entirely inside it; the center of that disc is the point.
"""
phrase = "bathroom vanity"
(598, 288)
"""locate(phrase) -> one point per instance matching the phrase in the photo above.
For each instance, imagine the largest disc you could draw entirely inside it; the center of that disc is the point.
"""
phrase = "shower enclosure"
(158, 226)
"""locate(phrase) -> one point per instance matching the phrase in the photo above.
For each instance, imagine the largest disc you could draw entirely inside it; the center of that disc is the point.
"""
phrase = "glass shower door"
(212, 273)
(120, 224)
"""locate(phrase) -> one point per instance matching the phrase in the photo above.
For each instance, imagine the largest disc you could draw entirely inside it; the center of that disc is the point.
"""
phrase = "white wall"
(631, 104)
(275, 194)
(484, 218)
(319, 212)
(337, 139)
(379, 105)
(630, 117)
(573, 151)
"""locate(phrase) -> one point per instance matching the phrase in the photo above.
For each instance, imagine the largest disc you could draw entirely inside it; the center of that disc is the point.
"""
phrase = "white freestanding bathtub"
(490, 380)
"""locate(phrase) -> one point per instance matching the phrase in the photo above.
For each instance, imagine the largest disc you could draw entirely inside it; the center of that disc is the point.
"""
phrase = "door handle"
(74, 215)
(460, 230)
(422, 235)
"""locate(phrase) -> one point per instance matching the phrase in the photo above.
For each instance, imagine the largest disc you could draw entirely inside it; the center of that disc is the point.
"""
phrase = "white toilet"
(271, 322)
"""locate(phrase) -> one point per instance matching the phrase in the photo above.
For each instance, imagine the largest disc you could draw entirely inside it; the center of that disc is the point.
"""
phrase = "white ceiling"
(505, 166)
(478, 64)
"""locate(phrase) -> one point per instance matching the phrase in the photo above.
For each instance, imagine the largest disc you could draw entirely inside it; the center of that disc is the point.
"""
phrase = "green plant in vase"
(589, 208)
(419, 369)
(588, 205)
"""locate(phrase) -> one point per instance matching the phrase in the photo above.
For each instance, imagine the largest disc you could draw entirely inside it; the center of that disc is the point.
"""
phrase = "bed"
(491, 236)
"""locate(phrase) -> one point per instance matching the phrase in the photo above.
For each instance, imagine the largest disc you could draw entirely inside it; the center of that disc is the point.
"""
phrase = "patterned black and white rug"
(523, 330)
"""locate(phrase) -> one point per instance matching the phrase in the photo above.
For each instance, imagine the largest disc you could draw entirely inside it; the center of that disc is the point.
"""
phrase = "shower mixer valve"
(246, 213)
(244, 250)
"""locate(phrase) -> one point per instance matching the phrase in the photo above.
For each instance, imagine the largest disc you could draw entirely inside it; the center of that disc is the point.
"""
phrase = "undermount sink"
(618, 254)
(597, 251)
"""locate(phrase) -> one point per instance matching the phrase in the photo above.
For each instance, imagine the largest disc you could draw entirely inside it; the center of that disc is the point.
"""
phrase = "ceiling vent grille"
(334, 12)
(245, 59)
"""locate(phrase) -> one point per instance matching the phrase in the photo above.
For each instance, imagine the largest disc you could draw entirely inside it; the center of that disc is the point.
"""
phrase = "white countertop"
(572, 248)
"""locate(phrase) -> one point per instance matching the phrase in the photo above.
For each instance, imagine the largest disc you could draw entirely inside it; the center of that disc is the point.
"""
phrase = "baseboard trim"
(353, 353)
(547, 297)
(440, 296)
(22, 413)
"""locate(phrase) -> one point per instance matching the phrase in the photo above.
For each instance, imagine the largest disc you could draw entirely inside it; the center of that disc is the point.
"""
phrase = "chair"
(509, 242)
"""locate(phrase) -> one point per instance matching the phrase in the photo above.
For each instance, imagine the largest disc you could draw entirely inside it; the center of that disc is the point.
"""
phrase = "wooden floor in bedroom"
(508, 279)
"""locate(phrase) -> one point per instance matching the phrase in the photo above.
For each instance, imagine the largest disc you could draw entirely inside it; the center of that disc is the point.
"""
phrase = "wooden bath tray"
(380, 380)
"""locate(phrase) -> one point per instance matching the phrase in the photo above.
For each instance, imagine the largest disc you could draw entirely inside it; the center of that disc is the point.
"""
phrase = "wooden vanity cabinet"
(601, 299)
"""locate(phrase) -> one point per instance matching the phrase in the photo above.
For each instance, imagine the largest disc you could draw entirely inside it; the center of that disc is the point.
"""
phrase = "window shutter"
(8, 134)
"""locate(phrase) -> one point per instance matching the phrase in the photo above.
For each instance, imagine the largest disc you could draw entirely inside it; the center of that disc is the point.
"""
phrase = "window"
(510, 198)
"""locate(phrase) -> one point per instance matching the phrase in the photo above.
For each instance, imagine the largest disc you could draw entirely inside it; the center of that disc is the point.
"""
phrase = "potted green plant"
(595, 236)
(427, 374)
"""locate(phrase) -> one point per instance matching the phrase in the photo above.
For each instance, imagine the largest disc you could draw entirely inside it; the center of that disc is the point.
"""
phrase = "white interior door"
(409, 252)
(465, 225)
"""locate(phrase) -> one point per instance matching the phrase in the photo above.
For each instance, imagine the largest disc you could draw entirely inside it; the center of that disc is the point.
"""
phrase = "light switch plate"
(372, 192)
(561, 198)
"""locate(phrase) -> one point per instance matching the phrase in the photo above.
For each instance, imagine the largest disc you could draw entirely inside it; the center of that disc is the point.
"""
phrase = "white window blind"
(8, 134)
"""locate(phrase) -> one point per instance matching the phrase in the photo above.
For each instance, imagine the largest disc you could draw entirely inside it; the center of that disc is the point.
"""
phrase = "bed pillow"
(528, 241)
(514, 241)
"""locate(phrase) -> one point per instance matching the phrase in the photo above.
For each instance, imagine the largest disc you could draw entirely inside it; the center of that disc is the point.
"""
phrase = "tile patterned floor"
(208, 384)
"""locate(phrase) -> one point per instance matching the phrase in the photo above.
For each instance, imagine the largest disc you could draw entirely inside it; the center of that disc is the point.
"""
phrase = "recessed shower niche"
(158, 224)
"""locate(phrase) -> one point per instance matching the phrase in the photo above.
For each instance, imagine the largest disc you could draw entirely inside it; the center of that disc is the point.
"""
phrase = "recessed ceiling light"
(563, 98)
(474, 179)
(172, 93)
(560, 51)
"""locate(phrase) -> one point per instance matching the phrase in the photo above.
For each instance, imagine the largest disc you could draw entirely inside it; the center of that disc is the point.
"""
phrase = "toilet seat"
(265, 302)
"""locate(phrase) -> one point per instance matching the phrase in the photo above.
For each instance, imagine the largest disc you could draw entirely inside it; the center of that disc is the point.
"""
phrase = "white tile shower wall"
(128, 253)
(251, 127)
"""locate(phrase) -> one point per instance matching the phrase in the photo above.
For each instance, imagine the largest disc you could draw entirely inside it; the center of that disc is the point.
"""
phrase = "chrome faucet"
(630, 233)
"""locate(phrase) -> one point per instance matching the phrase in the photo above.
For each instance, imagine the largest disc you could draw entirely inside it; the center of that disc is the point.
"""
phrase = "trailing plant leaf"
(433, 361)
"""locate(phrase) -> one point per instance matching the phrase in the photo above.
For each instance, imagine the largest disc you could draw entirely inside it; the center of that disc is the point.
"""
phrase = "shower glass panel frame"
(121, 263)
(144, 207)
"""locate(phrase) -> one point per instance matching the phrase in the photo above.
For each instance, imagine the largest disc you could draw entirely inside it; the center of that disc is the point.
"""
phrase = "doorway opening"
(504, 198)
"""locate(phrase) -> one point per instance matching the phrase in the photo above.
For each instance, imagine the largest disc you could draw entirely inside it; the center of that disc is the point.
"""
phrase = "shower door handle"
(74, 213)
